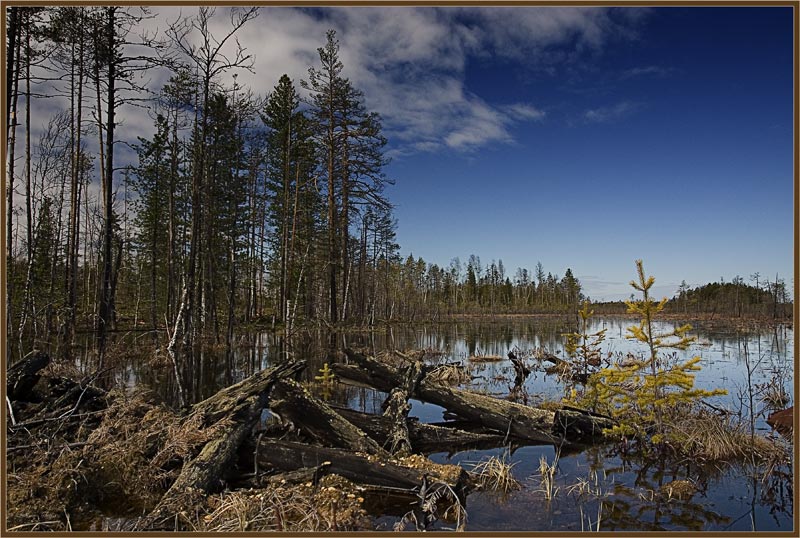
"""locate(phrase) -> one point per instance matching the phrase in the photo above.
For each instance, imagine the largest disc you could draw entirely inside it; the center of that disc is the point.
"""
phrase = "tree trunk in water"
(561, 427)
(424, 438)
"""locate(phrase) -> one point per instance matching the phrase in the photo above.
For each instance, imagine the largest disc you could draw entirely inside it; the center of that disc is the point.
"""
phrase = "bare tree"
(203, 53)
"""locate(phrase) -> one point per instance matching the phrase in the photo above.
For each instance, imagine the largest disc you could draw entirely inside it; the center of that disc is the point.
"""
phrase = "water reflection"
(629, 493)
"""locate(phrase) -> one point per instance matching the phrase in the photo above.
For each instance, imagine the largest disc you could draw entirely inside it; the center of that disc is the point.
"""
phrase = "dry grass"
(547, 475)
(494, 474)
(139, 447)
(335, 504)
(432, 498)
(42, 489)
(712, 438)
(122, 465)
(450, 374)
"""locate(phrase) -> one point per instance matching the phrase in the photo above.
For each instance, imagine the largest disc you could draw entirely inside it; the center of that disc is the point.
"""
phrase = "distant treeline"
(763, 299)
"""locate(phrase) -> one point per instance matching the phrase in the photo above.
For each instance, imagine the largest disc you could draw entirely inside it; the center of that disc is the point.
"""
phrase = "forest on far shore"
(244, 205)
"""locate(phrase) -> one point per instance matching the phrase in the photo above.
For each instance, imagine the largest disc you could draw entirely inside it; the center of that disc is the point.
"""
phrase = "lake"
(621, 491)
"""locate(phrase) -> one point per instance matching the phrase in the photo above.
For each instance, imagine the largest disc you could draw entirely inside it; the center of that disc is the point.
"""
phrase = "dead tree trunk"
(240, 406)
(524, 422)
(315, 418)
(424, 438)
(23, 374)
(290, 456)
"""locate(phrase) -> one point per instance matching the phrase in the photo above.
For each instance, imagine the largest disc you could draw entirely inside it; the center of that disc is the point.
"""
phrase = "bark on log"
(524, 422)
(23, 374)
(396, 412)
(289, 456)
(314, 417)
(241, 404)
(424, 438)
(580, 425)
(396, 408)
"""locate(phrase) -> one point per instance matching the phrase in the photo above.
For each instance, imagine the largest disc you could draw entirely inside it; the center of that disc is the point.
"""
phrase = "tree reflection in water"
(639, 496)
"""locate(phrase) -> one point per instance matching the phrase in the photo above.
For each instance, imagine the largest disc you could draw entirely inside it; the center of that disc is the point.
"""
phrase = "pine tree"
(153, 186)
(583, 347)
(643, 396)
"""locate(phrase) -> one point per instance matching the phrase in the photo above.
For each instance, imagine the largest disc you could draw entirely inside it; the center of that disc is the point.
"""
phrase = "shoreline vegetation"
(82, 457)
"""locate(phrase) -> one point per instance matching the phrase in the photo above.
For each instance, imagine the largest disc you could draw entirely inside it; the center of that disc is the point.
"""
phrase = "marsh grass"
(432, 498)
(591, 526)
(495, 474)
(450, 374)
(712, 438)
(547, 474)
(588, 490)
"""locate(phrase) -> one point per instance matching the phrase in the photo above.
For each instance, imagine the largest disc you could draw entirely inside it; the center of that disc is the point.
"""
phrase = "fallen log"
(369, 472)
(24, 374)
(300, 476)
(313, 417)
(233, 411)
(396, 411)
(424, 438)
(396, 408)
(524, 422)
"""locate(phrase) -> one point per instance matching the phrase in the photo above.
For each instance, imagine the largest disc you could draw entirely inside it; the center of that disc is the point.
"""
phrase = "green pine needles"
(583, 347)
(643, 396)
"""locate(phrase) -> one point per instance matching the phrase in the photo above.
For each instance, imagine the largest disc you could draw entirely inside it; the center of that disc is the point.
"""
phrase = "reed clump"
(547, 477)
(449, 374)
(712, 438)
(495, 474)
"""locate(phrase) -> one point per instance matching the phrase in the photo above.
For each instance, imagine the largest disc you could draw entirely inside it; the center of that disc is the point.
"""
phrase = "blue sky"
(578, 137)
(670, 141)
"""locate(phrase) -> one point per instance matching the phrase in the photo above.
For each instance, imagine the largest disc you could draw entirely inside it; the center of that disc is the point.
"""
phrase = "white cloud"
(656, 71)
(410, 61)
(525, 111)
(612, 112)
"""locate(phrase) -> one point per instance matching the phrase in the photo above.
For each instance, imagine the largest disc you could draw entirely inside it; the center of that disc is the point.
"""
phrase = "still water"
(598, 488)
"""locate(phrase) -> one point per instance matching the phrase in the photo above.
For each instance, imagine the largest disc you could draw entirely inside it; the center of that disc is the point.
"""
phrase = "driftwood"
(527, 423)
(313, 417)
(241, 406)
(24, 374)
(424, 438)
(524, 422)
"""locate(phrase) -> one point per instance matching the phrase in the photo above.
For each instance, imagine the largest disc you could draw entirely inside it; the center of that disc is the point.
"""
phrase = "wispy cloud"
(655, 71)
(524, 111)
(411, 62)
(611, 113)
